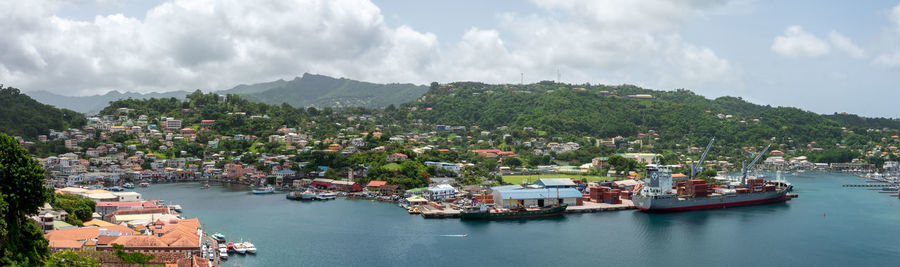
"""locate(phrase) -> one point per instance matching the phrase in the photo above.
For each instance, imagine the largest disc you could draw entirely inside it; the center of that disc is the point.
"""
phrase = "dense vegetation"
(324, 91)
(22, 192)
(79, 209)
(22, 116)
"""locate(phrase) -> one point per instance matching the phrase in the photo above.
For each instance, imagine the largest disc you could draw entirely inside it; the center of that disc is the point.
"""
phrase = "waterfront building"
(508, 196)
(555, 183)
(439, 192)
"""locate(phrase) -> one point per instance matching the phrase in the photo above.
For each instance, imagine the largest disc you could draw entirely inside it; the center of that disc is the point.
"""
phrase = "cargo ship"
(484, 213)
(658, 194)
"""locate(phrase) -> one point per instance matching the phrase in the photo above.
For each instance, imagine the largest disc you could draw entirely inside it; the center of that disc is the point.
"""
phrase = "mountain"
(322, 91)
(93, 104)
(20, 115)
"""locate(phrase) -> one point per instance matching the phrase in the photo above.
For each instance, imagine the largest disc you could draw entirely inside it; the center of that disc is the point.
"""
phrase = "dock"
(869, 185)
(589, 207)
(435, 213)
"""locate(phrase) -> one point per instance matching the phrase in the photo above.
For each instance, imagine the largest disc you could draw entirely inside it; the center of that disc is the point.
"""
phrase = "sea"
(827, 225)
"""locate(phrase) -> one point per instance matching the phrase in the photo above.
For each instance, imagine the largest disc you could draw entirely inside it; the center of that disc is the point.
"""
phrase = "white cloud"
(797, 43)
(211, 44)
(888, 59)
(845, 44)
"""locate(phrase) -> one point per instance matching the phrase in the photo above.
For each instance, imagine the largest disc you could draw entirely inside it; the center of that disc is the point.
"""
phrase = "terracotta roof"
(65, 243)
(85, 233)
(139, 241)
(97, 222)
(376, 183)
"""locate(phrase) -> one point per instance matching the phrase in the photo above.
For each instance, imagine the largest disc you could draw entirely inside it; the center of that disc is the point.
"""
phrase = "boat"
(205, 186)
(230, 247)
(264, 190)
(414, 211)
(175, 207)
(219, 238)
(116, 189)
(128, 186)
(657, 193)
(326, 196)
(305, 195)
(250, 247)
(485, 213)
(223, 254)
(144, 184)
(239, 248)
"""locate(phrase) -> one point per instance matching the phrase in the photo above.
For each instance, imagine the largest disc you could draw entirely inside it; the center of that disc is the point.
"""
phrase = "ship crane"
(698, 166)
(746, 168)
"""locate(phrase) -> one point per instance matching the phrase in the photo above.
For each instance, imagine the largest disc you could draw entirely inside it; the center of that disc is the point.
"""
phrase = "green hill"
(323, 91)
(20, 115)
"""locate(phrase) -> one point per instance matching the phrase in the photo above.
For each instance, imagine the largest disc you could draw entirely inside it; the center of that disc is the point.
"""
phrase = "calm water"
(826, 226)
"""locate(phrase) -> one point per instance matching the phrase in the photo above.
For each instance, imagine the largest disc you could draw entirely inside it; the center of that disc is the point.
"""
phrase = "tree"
(133, 257)
(22, 192)
(68, 258)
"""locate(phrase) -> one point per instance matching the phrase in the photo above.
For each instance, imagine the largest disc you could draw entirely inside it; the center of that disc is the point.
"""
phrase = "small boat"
(205, 186)
(250, 247)
(145, 184)
(223, 255)
(230, 247)
(116, 189)
(414, 211)
(308, 195)
(239, 248)
(175, 207)
(264, 190)
(219, 238)
(128, 186)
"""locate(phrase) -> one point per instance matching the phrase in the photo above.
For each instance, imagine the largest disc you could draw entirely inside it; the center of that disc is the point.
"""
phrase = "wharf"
(869, 185)
(588, 207)
(432, 212)
(206, 238)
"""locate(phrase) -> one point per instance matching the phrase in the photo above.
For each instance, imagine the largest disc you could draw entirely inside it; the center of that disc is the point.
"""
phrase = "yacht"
(250, 247)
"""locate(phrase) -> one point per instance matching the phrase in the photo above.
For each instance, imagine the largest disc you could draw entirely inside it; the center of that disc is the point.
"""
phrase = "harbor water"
(828, 225)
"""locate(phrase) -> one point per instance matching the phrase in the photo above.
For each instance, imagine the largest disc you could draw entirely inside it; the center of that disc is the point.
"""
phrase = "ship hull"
(545, 213)
(674, 204)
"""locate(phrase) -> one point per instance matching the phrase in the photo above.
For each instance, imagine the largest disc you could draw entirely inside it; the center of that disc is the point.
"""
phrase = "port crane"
(697, 167)
(746, 168)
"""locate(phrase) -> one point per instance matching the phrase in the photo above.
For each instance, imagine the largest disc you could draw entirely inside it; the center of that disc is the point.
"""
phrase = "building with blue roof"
(556, 183)
(508, 196)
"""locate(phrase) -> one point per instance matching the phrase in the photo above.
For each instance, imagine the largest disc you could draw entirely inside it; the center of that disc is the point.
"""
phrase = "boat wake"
(462, 235)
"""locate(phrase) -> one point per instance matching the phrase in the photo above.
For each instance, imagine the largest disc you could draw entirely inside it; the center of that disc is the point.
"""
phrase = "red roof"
(376, 183)
(400, 154)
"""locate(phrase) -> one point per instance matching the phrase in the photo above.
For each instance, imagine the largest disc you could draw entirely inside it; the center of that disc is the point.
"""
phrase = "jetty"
(588, 207)
(869, 185)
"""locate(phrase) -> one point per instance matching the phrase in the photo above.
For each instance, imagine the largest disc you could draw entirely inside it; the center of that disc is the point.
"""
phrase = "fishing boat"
(128, 186)
(264, 190)
(219, 238)
(250, 247)
(144, 184)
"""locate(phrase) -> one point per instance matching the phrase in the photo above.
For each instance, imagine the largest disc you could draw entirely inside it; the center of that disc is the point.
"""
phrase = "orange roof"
(678, 175)
(139, 241)
(85, 233)
(65, 244)
(376, 183)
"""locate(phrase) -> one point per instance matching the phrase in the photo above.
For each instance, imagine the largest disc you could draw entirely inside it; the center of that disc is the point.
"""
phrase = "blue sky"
(824, 56)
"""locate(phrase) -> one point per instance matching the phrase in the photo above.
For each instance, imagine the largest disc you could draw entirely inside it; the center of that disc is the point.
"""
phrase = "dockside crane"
(697, 167)
(746, 168)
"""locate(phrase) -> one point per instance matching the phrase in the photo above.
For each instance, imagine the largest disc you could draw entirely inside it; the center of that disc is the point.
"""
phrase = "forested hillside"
(20, 115)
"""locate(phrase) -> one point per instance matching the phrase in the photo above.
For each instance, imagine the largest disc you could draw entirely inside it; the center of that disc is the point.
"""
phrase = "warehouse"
(535, 197)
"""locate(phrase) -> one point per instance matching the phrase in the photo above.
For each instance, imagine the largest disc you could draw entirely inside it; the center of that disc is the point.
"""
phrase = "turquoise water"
(826, 226)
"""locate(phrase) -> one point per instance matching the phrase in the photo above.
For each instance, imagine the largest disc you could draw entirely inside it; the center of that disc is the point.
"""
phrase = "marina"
(331, 230)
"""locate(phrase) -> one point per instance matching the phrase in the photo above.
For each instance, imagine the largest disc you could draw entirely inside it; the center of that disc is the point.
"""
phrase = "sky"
(822, 56)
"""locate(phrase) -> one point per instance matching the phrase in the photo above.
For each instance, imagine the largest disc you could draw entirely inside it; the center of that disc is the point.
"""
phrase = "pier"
(589, 207)
(869, 185)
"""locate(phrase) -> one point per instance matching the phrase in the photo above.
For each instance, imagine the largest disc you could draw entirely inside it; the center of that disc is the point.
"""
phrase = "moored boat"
(205, 186)
(219, 238)
(230, 247)
(239, 248)
(326, 196)
(250, 247)
(128, 186)
(484, 213)
(264, 190)
(144, 184)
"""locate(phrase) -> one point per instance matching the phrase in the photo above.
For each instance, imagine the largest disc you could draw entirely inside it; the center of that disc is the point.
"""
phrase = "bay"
(828, 225)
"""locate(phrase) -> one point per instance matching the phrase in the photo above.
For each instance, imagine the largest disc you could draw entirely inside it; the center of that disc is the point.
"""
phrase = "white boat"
(175, 207)
(250, 247)
(223, 255)
(239, 248)
(326, 196)
(145, 184)
(264, 190)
